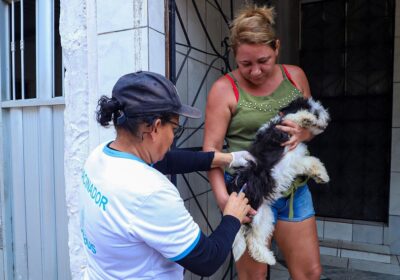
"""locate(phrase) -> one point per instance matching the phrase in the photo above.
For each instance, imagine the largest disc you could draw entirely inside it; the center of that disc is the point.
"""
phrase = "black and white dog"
(273, 171)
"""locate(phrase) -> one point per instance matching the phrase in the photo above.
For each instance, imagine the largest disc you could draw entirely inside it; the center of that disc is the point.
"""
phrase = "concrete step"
(351, 257)
(353, 250)
(359, 256)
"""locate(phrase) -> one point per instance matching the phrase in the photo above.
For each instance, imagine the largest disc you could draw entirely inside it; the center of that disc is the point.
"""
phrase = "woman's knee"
(248, 269)
(314, 272)
(253, 274)
(306, 272)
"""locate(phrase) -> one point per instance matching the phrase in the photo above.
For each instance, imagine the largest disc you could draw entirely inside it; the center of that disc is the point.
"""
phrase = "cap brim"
(188, 111)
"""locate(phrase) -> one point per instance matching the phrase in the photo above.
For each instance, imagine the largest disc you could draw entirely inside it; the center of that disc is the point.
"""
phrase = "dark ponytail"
(106, 108)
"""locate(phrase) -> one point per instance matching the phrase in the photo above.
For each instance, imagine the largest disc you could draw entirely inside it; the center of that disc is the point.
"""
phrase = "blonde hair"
(253, 25)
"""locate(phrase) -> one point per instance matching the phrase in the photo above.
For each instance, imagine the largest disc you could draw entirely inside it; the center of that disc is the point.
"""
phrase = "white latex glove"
(241, 158)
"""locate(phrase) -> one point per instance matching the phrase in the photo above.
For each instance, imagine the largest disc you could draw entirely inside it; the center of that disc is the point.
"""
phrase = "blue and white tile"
(320, 228)
(368, 233)
(394, 204)
(394, 234)
(395, 165)
(339, 231)
(197, 71)
(156, 15)
(156, 52)
(116, 57)
(374, 267)
(396, 65)
(396, 105)
(199, 40)
(114, 15)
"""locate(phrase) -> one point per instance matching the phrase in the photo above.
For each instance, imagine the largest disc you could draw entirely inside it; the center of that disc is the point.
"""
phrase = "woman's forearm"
(221, 159)
(217, 182)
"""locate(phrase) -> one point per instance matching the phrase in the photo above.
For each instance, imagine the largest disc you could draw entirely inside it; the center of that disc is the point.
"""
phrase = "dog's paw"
(263, 256)
(307, 122)
(321, 177)
(270, 258)
(303, 118)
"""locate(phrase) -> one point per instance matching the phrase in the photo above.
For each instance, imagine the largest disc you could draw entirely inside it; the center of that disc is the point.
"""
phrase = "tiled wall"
(348, 230)
(394, 207)
(130, 37)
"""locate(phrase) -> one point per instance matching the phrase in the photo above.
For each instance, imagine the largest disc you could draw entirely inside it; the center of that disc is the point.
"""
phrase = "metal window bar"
(224, 57)
(17, 83)
(12, 46)
(174, 12)
(21, 47)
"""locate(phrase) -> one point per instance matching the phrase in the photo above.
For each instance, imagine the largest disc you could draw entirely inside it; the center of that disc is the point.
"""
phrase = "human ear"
(155, 127)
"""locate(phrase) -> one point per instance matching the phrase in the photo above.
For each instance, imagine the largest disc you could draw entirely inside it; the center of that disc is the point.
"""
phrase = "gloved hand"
(241, 158)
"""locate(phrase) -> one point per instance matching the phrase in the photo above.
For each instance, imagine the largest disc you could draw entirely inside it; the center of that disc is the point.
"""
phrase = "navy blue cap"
(147, 92)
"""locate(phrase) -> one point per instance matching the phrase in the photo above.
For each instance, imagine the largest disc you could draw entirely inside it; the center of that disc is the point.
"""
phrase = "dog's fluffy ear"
(296, 105)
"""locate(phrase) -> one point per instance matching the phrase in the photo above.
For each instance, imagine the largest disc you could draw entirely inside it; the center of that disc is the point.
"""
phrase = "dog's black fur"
(267, 150)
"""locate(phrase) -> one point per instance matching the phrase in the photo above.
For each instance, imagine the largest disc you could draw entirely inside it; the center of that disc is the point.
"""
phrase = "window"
(347, 54)
(34, 50)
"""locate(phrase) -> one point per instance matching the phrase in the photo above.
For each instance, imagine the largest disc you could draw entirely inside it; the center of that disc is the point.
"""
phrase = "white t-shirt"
(134, 224)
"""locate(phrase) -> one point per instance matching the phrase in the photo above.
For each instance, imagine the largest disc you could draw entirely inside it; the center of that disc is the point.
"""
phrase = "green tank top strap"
(283, 72)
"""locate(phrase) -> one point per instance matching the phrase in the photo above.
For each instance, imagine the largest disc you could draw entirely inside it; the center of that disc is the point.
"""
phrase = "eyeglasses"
(178, 129)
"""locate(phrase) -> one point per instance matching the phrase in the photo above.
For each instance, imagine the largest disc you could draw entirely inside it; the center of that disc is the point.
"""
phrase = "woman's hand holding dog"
(297, 133)
(237, 206)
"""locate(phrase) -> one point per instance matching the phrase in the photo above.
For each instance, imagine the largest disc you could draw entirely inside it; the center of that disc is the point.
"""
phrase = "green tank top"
(253, 111)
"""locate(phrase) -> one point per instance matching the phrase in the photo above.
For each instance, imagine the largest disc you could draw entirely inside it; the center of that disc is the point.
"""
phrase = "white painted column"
(73, 22)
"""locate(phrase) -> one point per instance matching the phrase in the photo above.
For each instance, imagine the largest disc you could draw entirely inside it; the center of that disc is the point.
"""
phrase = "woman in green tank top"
(238, 104)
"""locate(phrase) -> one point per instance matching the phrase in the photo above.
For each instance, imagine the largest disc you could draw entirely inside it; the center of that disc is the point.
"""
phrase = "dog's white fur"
(293, 163)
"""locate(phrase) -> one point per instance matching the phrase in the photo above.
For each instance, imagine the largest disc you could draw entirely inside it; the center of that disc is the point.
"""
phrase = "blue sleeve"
(181, 161)
(210, 252)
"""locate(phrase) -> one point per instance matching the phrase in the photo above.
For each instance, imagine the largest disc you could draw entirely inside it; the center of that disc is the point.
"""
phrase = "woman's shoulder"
(293, 70)
(223, 82)
(299, 78)
(223, 89)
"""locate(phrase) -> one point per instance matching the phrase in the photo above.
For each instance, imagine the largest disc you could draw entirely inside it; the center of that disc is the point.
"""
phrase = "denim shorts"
(303, 207)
